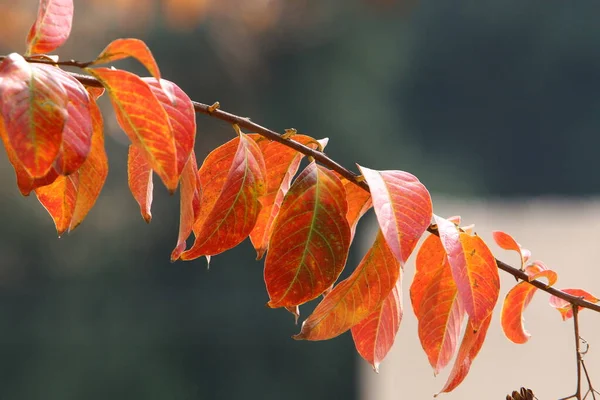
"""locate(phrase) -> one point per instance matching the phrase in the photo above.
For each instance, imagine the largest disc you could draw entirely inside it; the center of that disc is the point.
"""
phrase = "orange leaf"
(507, 242)
(310, 240)
(469, 348)
(355, 298)
(34, 106)
(59, 199)
(190, 194)
(374, 336)
(281, 163)
(564, 307)
(473, 268)
(436, 304)
(181, 114)
(92, 174)
(24, 181)
(517, 299)
(77, 132)
(123, 48)
(52, 26)
(359, 202)
(232, 179)
(402, 206)
(139, 174)
(143, 119)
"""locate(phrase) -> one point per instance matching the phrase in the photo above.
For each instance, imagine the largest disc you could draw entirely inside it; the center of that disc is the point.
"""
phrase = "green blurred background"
(477, 98)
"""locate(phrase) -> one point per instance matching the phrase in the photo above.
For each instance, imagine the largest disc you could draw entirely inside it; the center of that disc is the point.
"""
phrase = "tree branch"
(322, 158)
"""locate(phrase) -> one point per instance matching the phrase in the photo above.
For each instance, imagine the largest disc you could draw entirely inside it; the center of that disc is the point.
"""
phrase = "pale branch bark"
(323, 159)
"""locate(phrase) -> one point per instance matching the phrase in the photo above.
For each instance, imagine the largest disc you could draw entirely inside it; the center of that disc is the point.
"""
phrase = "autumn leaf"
(190, 194)
(473, 268)
(518, 298)
(232, 179)
(402, 206)
(374, 336)
(310, 239)
(564, 307)
(143, 119)
(77, 131)
(281, 164)
(359, 202)
(355, 298)
(93, 172)
(123, 48)
(436, 304)
(33, 104)
(469, 348)
(507, 242)
(181, 114)
(51, 28)
(139, 178)
(59, 199)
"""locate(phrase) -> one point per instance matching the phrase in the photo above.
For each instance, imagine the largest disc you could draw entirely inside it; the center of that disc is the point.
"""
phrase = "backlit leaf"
(143, 119)
(34, 107)
(310, 239)
(436, 304)
(518, 298)
(356, 297)
(123, 48)
(507, 242)
(374, 336)
(59, 199)
(52, 26)
(190, 195)
(469, 348)
(181, 114)
(402, 206)
(474, 270)
(564, 307)
(281, 163)
(139, 178)
(92, 174)
(359, 202)
(232, 179)
(77, 131)
(25, 182)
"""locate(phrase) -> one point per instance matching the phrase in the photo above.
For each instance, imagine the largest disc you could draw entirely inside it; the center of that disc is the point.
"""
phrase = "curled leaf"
(139, 178)
(564, 307)
(507, 242)
(119, 49)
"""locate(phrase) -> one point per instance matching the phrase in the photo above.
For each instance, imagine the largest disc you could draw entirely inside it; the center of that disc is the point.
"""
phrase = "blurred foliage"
(475, 98)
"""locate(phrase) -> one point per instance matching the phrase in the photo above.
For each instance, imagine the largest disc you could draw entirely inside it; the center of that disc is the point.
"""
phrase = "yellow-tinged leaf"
(190, 195)
(59, 199)
(123, 48)
(139, 178)
(143, 119)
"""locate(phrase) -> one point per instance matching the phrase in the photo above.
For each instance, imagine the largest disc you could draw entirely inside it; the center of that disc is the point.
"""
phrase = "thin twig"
(323, 159)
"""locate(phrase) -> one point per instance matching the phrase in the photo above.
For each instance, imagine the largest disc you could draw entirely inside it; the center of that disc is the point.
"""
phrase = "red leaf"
(310, 240)
(355, 298)
(139, 175)
(123, 48)
(77, 131)
(92, 174)
(232, 179)
(59, 199)
(517, 299)
(507, 242)
(143, 119)
(473, 268)
(436, 304)
(375, 335)
(469, 348)
(402, 206)
(52, 26)
(281, 163)
(564, 307)
(34, 106)
(181, 114)
(190, 198)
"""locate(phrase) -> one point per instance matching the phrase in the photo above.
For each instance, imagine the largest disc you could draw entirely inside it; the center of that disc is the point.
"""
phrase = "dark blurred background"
(477, 98)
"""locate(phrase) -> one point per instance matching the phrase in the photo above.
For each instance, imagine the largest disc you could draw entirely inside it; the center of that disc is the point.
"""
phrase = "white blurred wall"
(565, 234)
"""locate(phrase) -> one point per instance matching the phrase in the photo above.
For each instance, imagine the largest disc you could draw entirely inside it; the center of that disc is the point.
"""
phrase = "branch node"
(288, 133)
(215, 106)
